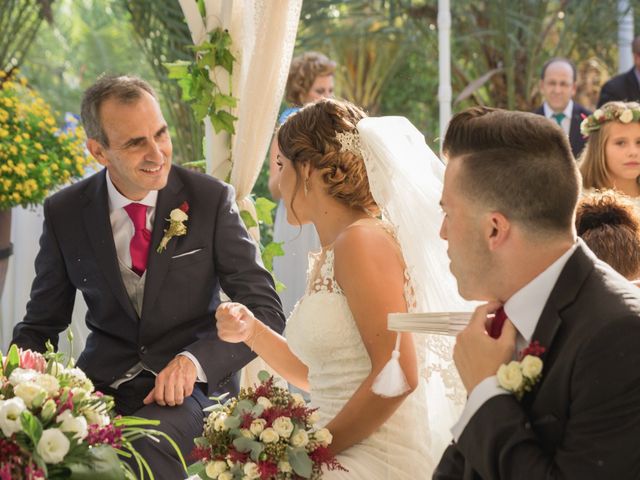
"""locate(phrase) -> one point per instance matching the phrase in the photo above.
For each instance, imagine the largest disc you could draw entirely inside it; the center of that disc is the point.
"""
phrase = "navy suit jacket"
(181, 293)
(623, 87)
(582, 419)
(576, 139)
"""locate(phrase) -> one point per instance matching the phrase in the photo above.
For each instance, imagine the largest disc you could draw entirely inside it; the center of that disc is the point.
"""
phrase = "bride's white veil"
(406, 180)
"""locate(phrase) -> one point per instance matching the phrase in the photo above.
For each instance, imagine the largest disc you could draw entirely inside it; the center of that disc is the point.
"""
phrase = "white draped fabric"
(263, 34)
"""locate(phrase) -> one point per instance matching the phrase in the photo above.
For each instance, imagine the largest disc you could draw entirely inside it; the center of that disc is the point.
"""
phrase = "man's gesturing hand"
(476, 354)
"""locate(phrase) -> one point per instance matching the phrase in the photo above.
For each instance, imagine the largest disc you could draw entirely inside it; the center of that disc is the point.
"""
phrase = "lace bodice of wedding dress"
(322, 332)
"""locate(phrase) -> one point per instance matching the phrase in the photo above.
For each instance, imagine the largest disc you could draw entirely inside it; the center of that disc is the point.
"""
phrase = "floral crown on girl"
(623, 113)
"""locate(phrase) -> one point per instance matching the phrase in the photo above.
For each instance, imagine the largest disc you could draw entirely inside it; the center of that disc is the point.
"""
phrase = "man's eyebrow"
(162, 130)
(138, 140)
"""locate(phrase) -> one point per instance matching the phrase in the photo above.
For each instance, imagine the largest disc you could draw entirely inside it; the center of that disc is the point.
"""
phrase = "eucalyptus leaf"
(243, 444)
(256, 449)
(257, 410)
(232, 422)
(244, 406)
(300, 462)
(263, 376)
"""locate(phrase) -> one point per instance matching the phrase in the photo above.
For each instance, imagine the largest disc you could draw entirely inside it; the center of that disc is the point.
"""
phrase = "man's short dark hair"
(126, 89)
(517, 163)
(559, 60)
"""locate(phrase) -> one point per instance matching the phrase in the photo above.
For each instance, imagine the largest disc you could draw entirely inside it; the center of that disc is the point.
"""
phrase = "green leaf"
(225, 59)
(257, 410)
(103, 464)
(31, 426)
(222, 120)
(280, 287)
(248, 219)
(221, 101)
(243, 444)
(201, 108)
(196, 468)
(300, 462)
(256, 449)
(202, 8)
(264, 207)
(178, 69)
(13, 360)
(263, 376)
(271, 250)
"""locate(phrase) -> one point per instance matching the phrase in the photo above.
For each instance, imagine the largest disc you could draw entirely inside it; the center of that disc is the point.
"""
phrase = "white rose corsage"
(519, 377)
(177, 228)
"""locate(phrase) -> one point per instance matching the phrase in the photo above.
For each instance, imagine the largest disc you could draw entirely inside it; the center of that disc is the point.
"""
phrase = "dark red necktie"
(139, 246)
(498, 321)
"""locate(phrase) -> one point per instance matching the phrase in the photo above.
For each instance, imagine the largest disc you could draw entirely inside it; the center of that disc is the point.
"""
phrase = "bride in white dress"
(337, 343)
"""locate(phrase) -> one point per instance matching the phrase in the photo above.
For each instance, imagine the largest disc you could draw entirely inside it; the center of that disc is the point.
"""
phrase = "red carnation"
(534, 349)
(184, 207)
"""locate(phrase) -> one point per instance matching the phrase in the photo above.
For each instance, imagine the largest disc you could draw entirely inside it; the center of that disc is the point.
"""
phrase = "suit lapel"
(563, 294)
(96, 219)
(169, 198)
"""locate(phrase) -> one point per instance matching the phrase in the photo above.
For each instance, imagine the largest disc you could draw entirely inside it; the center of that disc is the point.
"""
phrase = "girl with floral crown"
(611, 158)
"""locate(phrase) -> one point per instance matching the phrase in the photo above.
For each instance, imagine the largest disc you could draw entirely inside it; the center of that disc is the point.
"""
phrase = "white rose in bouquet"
(251, 471)
(30, 391)
(510, 376)
(10, 416)
(323, 436)
(214, 469)
(269, 435)
(53, 445)
(284, 466)
(314, 417)
(299, 438)
(246, 433)
(48, 410)
(257, 426)
(283, 426)
(76, 425)
(225, 476)
(265, 402)
(218, 424)
(80, 378)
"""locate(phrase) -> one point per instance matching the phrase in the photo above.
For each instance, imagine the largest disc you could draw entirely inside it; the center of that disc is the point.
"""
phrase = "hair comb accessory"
(350, 142)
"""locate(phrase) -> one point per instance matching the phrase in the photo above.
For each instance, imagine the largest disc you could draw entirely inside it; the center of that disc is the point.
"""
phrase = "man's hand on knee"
(173, 383)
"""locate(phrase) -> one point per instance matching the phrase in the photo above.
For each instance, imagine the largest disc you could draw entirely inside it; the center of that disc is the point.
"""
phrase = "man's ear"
(498, 230)
(97, 151)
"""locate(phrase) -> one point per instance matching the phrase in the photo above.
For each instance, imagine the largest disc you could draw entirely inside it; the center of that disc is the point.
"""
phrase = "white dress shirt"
(523, 309)
(123, 231)
(566, 121)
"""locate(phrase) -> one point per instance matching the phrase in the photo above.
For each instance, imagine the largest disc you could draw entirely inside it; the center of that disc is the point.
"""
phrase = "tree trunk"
(5, 243)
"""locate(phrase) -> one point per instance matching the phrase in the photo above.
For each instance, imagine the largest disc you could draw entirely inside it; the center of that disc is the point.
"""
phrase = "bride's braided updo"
(309, 135)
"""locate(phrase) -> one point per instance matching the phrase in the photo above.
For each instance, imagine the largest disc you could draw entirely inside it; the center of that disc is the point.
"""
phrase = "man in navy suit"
(509, 196)
(558, 86)
(624, 87)
(153, 344)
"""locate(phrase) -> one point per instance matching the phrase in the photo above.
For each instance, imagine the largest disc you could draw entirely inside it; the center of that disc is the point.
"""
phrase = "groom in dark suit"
(153, 344)
(510, 191)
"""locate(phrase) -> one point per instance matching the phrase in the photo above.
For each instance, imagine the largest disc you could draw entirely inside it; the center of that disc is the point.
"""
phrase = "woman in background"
(310, 79)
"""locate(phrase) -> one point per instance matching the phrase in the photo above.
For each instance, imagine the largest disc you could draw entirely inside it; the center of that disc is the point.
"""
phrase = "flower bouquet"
(54, 425)
(266, 433)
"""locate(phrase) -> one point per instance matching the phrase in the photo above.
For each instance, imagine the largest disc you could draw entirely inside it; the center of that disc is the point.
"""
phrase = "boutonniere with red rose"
(519, 377)
(177, 228)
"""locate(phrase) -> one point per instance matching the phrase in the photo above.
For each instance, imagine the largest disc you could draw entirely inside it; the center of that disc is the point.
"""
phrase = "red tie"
(498, 321)
(139, 246)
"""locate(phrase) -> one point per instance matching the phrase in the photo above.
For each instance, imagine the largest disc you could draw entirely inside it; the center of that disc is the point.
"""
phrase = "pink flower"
(33, 360)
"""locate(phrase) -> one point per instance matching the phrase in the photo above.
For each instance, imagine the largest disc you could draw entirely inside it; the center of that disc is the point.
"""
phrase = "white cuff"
(485, 390)
(202, 377)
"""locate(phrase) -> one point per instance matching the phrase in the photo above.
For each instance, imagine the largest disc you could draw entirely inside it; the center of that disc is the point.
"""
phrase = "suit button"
(143, 350)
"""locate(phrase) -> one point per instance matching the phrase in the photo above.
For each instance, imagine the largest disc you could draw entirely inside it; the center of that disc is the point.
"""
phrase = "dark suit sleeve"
(606, 94)
(52, 295)
(245, 281)
(601, 437)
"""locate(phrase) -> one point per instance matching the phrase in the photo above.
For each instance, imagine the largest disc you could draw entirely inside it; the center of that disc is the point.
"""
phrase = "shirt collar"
(568, 110)
(525, 306)
(117, 200)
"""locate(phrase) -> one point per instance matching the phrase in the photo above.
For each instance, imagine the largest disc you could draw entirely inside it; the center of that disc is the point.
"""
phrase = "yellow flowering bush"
(35, 155)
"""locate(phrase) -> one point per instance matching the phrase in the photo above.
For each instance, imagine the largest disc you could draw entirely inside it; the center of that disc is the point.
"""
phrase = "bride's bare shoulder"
(367, 241)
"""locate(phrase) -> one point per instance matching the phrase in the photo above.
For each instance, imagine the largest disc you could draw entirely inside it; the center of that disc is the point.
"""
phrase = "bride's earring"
(306, 186)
